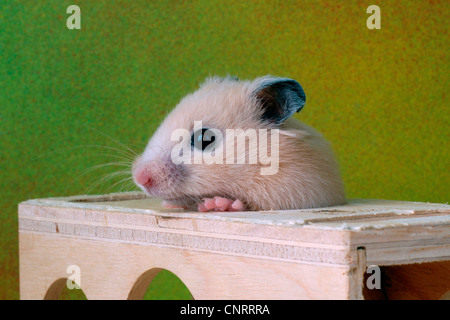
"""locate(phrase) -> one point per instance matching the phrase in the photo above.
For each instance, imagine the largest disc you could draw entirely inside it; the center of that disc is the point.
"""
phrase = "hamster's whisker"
(121, 181)
(129, 186)
(64, 150)
(93, 168)
(119, 157)
(134, 142)
(125, 153)
(193, 198)
(115, 164)
(105, 178)
(112, 164)
(133, 152)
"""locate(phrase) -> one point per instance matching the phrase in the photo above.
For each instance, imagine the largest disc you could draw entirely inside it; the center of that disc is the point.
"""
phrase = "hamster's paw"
(221, 204)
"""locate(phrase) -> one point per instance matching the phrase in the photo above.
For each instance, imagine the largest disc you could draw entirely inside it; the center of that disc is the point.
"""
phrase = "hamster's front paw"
(221, 204)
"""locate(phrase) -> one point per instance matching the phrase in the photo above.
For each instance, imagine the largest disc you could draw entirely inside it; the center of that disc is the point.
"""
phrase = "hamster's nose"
(143, 178)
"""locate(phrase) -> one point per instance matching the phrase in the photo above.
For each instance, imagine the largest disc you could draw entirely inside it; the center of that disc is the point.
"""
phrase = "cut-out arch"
(58, 290)
(153, 284)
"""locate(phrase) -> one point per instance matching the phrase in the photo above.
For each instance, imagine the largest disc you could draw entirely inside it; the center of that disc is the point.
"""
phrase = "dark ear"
(280, 98)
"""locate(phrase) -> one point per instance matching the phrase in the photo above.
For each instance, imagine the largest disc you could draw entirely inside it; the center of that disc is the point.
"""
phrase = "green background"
(66, 96)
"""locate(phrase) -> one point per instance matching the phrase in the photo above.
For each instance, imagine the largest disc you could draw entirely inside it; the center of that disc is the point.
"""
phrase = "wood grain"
(121, 241)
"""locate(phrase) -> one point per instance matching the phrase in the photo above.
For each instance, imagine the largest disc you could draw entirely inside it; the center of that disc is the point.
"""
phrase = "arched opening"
(417, 281)
(159, 284)
(59, 291)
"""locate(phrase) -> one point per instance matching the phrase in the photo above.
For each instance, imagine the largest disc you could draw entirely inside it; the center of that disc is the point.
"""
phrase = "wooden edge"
(308, 243)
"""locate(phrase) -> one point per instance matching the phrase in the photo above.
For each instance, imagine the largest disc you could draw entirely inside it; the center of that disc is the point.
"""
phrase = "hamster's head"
(169, 167)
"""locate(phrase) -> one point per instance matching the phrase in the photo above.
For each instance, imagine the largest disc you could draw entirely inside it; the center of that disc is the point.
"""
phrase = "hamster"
(306, 174)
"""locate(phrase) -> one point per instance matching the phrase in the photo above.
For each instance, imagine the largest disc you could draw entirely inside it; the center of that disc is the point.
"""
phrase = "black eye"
(202, 138)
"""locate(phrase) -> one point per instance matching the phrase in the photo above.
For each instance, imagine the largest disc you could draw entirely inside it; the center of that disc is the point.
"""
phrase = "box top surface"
(357, 214)
(391, 232)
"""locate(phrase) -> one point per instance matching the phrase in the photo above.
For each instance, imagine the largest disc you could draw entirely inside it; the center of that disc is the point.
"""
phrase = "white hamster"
(304, 173)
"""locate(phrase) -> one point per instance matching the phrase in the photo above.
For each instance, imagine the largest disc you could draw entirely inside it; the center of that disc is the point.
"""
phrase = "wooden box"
(119, 242)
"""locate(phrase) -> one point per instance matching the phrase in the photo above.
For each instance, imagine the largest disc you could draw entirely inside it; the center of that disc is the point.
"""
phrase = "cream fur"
(308, 174)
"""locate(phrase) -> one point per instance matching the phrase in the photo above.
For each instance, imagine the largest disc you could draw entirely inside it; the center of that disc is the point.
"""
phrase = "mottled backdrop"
(67, 96)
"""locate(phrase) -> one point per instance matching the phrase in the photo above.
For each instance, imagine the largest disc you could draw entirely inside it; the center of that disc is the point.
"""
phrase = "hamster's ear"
(279, 97)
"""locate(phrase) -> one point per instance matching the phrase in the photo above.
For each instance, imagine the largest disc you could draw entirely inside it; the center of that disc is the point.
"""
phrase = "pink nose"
(143, 178)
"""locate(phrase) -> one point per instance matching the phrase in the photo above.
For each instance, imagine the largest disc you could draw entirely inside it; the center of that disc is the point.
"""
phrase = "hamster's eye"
(202, 138)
